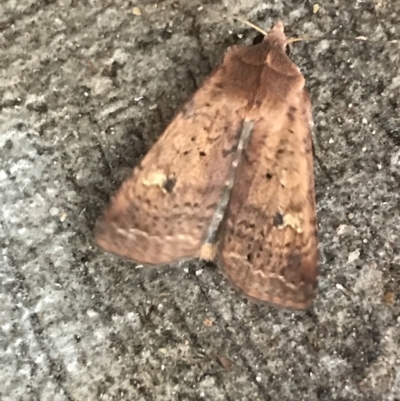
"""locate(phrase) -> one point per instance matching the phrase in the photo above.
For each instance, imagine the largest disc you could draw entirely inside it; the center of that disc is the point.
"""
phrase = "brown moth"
(230, 179)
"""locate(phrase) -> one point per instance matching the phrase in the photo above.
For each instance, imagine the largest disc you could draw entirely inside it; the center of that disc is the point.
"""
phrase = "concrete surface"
(85, 88)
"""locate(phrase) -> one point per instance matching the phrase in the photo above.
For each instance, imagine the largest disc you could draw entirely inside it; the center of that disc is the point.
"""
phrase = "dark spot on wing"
(278, 220)
(293, 261)
(169, 184)
(291, 112)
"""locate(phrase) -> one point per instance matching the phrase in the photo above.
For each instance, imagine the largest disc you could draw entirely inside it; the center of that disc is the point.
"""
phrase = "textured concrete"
(85, 88)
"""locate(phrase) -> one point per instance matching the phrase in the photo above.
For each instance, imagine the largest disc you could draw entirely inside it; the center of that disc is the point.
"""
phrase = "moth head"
(276, 36)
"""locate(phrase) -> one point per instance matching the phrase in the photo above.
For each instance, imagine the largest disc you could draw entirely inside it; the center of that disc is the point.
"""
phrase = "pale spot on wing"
(156, 178)
(294, 221)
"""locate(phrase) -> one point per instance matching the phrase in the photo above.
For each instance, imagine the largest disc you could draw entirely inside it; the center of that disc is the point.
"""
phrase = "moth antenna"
(305, 38)
(301, 39)
(290, 40)
(257, 28)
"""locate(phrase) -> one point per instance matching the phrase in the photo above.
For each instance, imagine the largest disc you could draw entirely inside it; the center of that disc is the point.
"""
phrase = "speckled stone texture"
(86, 87)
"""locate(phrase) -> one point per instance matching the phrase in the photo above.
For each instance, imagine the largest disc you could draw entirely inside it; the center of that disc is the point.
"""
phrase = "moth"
(230, 180)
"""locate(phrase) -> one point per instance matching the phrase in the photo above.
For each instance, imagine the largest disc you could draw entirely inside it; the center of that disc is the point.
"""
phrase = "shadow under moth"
(231, 180)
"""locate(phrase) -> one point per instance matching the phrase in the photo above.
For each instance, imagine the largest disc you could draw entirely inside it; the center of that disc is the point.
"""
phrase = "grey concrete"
(85, 88)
